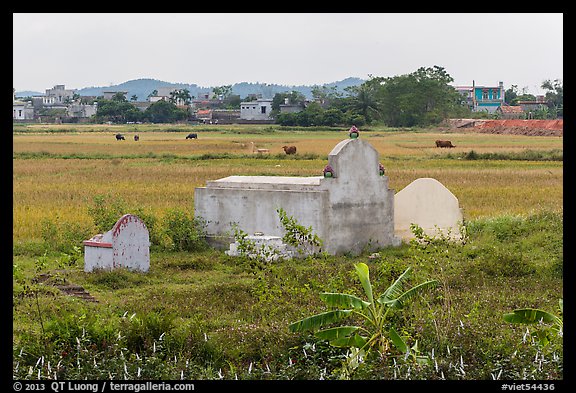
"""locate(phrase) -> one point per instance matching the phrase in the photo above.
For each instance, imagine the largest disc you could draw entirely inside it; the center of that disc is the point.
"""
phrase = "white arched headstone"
(428, 204)
(126, 245)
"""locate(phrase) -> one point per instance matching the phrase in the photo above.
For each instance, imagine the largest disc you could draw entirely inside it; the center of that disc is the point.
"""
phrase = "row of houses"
(491, 99)
(59, 103)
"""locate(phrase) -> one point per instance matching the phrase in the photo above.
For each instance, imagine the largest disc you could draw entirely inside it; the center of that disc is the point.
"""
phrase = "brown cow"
(289, 149)
(440, 143)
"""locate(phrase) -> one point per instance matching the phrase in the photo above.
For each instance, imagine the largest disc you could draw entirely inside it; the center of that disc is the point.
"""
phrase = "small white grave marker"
(126, 245)
(270, 248)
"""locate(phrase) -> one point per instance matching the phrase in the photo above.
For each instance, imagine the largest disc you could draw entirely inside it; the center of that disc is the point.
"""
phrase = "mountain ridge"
(142, 87)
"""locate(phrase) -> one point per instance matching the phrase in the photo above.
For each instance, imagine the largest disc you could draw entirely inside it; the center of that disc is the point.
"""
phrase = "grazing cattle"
(440, 143)
(136, 138)
(120, 137)
(192, 136)
(289, 149)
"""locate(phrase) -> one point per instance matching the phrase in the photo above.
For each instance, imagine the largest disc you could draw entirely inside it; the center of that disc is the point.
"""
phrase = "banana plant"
(373, 333)
(531, 316)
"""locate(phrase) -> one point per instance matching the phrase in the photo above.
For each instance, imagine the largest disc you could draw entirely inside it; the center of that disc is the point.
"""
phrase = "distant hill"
(267, 90)
(27, 93)
(143, 87)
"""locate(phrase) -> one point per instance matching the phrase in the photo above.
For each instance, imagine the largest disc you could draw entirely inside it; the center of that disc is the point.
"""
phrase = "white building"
(21, 110)
(256, 110)
(165, 94)
(58, 95)
(82, 110)
(108, 95)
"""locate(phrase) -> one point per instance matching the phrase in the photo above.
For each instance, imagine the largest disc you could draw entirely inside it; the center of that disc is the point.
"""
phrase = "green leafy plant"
(549, 325)
(302, 238)
(106, 210)
(247, 247)
(67, 260)
(375, 333)
(186, 233)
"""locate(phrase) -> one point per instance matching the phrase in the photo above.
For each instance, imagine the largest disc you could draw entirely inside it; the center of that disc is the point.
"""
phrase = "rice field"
(229, 318)
(58, 174)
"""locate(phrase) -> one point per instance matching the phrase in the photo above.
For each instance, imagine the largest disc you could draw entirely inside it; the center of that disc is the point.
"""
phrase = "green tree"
(222, 91)
(180, 95)
(523, 97)
(164, 112)
(364, 99)
(511, 94)
(120, 97)
(153, 94)
(554, 96)
(421, 98)
(232, 102)
(293, 97)
(326, 95)
(286, 119)
(117, 110)
(333, 117)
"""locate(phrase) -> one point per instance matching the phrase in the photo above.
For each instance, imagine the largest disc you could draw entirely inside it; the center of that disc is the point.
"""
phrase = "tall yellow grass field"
(57, 175)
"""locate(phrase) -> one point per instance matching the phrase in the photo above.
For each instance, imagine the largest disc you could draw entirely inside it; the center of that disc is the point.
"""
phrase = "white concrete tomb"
(429, 204)
(126, 245)
(351, 212)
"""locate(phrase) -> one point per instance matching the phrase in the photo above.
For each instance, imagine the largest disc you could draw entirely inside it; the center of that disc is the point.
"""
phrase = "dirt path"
(66, 287)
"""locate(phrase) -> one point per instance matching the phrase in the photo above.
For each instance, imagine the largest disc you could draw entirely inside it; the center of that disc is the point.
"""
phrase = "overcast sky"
(103, 49)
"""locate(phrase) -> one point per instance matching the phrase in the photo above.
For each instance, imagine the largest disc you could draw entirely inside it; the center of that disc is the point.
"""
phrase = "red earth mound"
(521, 127)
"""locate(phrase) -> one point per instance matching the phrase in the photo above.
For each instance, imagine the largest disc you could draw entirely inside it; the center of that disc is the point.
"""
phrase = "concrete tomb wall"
(429, 204)
(351, 212)
(126, 245)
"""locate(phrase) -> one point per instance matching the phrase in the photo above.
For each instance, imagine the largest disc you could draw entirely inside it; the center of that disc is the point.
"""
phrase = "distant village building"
(167, 94)
(22, 110)
(108, 95)
(206, 95)
(162, 93)
(204, 115)
(530, 106)
(82, 110)
(57, 105)
(225, 115)
(58, 95)
(141, 105)
(287, 107)
(256, 110)
(510, 112)
(482, 98)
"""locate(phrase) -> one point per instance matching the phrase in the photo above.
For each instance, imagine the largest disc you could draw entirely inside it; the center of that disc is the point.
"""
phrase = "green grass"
(205, 315)
(217, 314)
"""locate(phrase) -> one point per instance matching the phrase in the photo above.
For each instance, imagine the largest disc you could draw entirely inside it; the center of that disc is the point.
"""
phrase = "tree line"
(419, 99)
